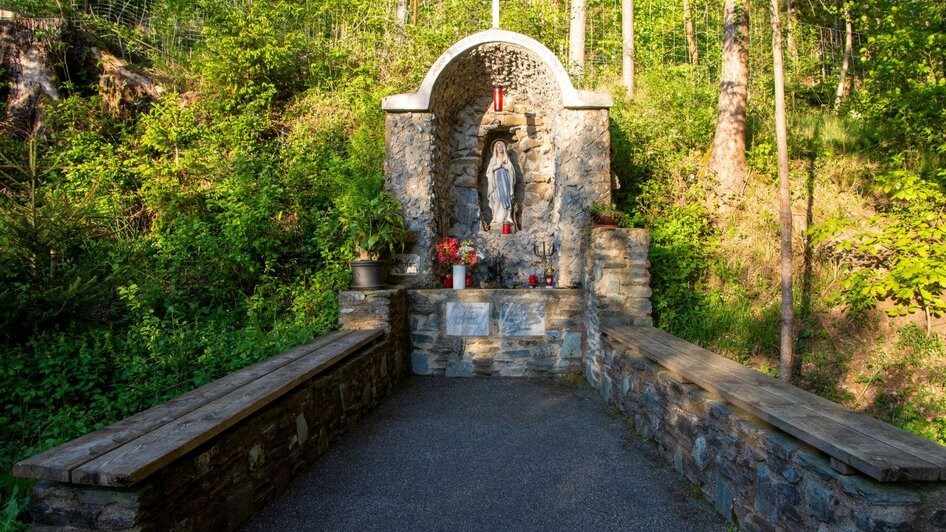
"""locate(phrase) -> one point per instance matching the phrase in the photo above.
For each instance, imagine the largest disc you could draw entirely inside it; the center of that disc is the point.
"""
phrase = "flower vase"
(459, 275)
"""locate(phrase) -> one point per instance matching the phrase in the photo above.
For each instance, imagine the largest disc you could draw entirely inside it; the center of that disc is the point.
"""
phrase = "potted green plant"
(377, 229)
(604, 214)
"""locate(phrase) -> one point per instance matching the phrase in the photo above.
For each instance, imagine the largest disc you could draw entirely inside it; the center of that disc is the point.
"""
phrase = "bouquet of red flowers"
(452, 252)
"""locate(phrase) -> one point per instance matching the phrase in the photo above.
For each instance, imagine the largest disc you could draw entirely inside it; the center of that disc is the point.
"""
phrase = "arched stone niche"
(438, 141)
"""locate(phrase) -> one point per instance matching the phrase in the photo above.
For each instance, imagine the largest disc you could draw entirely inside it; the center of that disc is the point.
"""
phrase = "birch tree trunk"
(576, 37)
(401, 16)
(790, 34)
(786, 346)
(627, 32)
(728, 156)
(846, 62)
(691, 35)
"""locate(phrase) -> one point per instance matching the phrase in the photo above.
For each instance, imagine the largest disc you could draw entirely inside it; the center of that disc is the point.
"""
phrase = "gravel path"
(490, 454)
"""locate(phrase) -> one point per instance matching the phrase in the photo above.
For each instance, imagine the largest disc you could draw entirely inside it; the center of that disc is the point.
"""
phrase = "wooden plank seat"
(877, 449)
(126, 452)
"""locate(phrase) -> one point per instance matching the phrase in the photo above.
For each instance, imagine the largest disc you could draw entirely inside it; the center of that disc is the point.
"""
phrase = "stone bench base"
(222, 483)
(754, 473)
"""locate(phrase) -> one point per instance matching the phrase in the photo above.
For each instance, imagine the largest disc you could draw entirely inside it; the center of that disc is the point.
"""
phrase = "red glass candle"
(448, 281)
(548, 279)
(469, 280)
(497, 99)
(533, 280)
(507, 228)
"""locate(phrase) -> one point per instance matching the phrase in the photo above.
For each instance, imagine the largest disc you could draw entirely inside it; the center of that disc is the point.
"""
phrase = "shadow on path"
(489, 454)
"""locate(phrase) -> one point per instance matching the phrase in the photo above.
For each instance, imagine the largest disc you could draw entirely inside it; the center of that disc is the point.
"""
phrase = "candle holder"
(546, 254)
(498, 99)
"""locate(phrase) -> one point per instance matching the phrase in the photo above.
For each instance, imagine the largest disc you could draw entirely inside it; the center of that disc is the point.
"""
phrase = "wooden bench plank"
(909, 443)
(57, 463)
(134, 461)
(843, 433)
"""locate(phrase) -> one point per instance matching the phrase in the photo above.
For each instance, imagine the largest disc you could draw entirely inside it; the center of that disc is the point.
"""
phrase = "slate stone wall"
(754, 473)
(583, 171)
(617, 278)
(219, 485)
(409, 176)
(558, 351)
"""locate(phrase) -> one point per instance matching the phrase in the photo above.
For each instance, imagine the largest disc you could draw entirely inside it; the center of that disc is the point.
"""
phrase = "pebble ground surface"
(490, 454)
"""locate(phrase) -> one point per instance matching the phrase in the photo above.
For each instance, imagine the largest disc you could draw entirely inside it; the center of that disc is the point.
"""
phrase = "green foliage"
(375, 224)
(12, 509)
(600, 211)
(904, 93)
(918, 403)
(901, 255)
(255, 48)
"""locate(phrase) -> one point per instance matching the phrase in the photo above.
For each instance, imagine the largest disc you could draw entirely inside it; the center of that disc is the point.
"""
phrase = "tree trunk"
(25, 46)
(691, 35)
(627, 32)
(846, 62)
(786, 354)
(401, 15)
(728, 156)
(124, 88)
(414, 22)
(790, 34)
(576, 37)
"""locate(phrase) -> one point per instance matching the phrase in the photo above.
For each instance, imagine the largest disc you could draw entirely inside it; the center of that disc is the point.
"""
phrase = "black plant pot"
(368, 274)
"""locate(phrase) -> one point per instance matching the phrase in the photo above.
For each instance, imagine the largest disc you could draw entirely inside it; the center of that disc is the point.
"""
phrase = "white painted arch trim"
(571, 98)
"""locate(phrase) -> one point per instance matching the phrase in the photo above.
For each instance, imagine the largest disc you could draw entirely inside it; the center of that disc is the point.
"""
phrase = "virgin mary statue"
(502, 184)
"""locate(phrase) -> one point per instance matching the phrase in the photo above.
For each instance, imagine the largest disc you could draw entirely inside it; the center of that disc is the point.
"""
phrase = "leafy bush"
(917, 370)
(901, 254)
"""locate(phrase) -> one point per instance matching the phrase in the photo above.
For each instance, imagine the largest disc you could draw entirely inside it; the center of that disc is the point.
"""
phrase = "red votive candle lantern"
(448, 281)
(548, 279)
(469, 280)
(533, 280)
(507, 228)
(497, 99)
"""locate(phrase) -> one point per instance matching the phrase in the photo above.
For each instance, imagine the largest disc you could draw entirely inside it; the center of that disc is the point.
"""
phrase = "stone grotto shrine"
(440, 142)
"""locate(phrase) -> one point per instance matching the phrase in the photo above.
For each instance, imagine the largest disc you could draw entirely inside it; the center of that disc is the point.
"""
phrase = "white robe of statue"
(502, 184)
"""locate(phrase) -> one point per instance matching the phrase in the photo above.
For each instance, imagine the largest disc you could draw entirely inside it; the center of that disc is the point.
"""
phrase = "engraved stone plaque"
(467, 319)
(523, 319)
(406, 264)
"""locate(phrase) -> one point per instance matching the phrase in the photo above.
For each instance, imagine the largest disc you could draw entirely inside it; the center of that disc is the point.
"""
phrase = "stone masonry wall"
(409, 176)
(752, 472)
(617, 281)
(220, 484)
(557, 351)
(583, 178)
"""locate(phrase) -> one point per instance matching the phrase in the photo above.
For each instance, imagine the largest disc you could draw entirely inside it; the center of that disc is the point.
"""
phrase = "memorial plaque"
(467, 319)
(523, 319)
(406, 264)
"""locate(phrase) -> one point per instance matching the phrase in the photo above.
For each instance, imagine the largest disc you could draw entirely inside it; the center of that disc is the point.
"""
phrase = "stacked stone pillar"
(618, 292)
